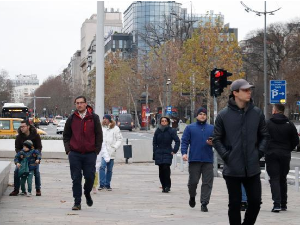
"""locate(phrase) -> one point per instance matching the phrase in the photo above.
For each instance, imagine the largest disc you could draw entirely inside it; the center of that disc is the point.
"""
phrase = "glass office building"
(142, 13)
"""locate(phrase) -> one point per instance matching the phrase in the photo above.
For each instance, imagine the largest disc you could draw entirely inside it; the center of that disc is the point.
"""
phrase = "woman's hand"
(18, 165)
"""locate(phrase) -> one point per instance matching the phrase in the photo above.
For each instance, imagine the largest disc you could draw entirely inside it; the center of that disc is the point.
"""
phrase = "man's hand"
(37, 161)
(184, 157)
(209, 142)
(172, 153)
(18, 165)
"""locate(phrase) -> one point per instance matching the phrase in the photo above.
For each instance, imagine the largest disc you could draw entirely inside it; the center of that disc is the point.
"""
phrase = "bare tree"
(5, 87)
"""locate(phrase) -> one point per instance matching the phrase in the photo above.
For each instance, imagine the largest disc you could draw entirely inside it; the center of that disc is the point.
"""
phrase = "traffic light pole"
(34, 105)
(215, 152)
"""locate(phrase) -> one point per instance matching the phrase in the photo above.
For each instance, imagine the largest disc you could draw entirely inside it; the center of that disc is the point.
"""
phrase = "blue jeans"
(36, 175)
(244, 195)
(105, 178)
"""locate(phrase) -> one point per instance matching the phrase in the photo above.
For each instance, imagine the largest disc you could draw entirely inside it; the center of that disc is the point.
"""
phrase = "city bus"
(15, 110)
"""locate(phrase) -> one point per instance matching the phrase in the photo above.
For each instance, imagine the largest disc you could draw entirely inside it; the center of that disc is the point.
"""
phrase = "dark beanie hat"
(106, 116)
(201, 110)
(28, 144)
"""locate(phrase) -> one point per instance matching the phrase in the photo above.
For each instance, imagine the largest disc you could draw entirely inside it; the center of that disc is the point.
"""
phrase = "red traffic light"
(219, 73)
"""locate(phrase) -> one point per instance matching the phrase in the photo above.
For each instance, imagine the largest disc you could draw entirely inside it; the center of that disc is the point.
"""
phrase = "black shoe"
(276, 209)
(89, 200)
(204, 208)
(76, 207)
(167, 189)
(244, 206)
(192, 202)
(283, 207)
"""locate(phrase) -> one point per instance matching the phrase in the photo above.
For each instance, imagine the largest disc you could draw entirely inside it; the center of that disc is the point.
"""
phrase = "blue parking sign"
(277, 91)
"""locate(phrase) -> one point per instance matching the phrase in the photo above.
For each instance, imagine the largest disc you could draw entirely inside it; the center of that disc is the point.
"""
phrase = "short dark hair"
(279, 108)
(81, 96)
(26, 121)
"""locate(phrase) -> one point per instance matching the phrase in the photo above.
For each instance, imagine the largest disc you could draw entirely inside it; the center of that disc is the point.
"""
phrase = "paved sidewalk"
(136, 199)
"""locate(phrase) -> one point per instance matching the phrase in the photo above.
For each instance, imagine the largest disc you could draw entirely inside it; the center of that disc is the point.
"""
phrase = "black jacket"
(284, 136)
(33, 136)
(162, 145)
(240, 138)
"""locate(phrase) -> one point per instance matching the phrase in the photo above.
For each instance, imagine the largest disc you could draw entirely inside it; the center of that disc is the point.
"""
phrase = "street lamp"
(168, 91)
(265, 12)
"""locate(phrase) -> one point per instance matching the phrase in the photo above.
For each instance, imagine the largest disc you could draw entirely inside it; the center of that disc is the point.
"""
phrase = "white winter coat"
(112, 138)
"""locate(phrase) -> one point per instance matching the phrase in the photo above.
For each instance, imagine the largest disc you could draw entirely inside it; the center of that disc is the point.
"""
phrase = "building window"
(121, 44)
(114, 44)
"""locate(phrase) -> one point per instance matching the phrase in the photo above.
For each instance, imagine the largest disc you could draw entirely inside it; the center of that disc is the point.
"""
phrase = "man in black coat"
(284, 138)
(240, 138)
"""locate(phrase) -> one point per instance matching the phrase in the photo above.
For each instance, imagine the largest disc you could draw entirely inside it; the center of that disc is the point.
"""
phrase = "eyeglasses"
(22, 126)
(246, 90)
(79, 103)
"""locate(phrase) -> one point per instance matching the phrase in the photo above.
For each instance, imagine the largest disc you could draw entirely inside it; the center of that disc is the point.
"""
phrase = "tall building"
(24, 86)
(142, 13)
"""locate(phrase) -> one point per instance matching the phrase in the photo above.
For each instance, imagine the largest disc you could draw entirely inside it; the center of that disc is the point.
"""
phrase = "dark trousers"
(17, 179)
(82, 164)
(165, 175)
(278, 167)
(253, 189)
(196, 169)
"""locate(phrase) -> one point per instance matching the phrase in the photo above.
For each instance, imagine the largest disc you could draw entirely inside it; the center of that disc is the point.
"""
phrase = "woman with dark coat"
(163, 151)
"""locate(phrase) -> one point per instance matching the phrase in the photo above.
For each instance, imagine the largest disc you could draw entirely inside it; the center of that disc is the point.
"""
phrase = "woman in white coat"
(112, 138)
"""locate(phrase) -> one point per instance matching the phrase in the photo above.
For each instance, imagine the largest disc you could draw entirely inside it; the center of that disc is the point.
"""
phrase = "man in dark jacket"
(27, 132)
(198, 136)
(82, 140)
(284, 138)
(241, 138)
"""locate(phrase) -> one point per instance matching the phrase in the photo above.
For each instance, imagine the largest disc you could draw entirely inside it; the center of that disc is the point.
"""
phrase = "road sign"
(277, 91)
(298, 102)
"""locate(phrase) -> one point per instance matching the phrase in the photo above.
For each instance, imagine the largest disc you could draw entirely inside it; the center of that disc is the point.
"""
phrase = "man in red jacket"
(82, 140)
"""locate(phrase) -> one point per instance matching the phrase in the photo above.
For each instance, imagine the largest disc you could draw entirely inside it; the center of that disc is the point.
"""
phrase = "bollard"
(215, 163)
(173, 162)
(127, 151)
(297, 178)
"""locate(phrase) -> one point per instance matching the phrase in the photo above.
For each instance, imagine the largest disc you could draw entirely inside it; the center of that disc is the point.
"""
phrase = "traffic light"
(218, 81)
(215, 82)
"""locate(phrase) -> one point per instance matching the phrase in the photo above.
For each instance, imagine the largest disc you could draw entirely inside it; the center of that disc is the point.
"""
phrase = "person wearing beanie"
(27, 132)
(241, 138)
(197, 137)
(82, 139)
(284, 138)
(112, 139)
(28, 155)
(163, 151)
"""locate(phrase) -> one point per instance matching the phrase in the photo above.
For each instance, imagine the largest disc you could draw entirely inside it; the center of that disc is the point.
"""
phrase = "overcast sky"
(40, 37)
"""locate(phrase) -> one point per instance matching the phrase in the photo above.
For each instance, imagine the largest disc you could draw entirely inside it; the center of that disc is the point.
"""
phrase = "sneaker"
(89, 200)
(101, 188)
(14, 193)
(244, 206)
(76, 207)
(23, 193)
(29, 194)
(276, 209)
(109, 188)
(204, 208)
(283, 207)
(192, 202)
(167, 189)
(38, 192)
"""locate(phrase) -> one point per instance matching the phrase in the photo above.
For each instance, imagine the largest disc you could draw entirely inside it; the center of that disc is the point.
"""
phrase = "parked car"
(10, 126)
(44, 121)
(57, 119)
(125, 122)
(60, 127)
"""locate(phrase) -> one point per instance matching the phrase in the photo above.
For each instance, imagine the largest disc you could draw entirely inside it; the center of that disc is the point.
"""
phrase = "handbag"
(24, 169)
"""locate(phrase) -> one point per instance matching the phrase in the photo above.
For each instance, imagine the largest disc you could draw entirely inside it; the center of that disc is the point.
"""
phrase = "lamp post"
(168, 92)
(258, 13)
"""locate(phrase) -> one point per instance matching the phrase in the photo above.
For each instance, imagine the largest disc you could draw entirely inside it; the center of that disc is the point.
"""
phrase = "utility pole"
(34, 105)
(265, 12)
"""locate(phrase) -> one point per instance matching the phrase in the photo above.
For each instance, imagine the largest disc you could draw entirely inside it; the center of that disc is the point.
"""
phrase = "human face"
(201, 117)
(80, 105)
(243, 95)
(164, 122)
(24, 128)
(26, 149)
(105, 121)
